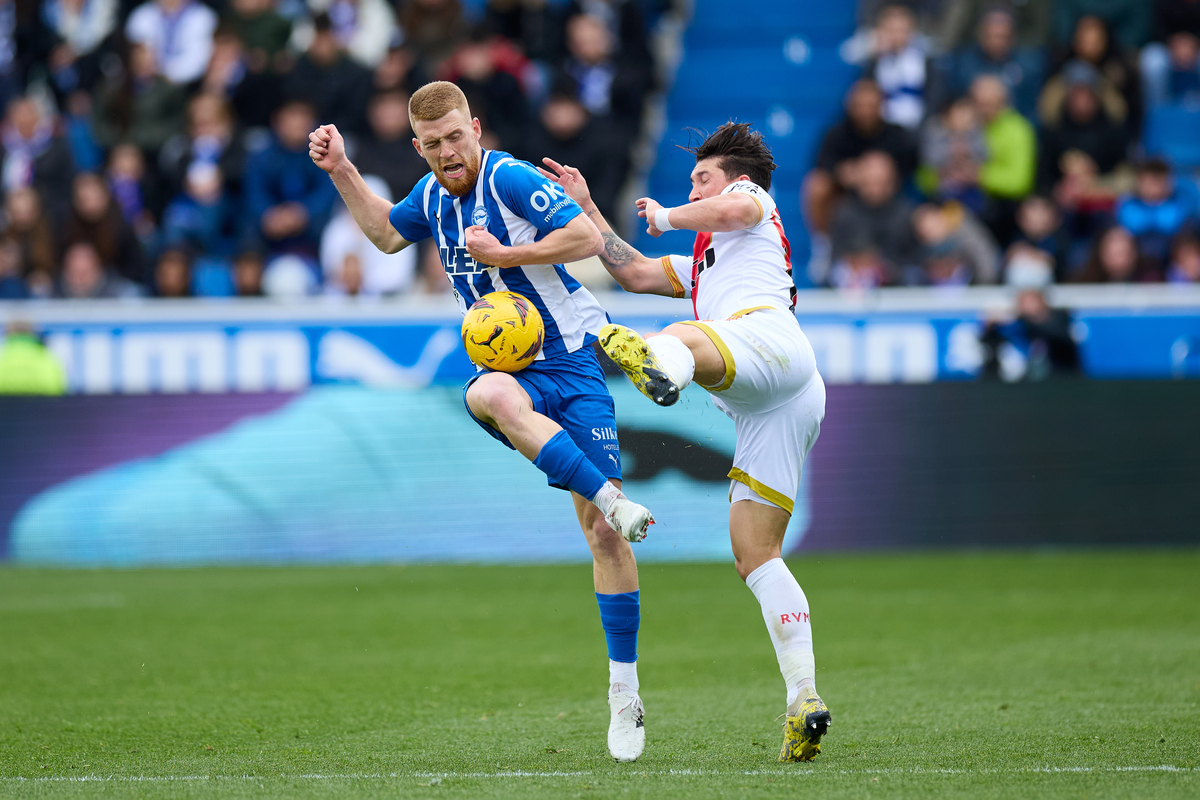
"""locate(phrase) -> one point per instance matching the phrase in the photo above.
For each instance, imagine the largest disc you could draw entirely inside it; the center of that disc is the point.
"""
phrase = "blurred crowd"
(160, 147)
(1001, 143)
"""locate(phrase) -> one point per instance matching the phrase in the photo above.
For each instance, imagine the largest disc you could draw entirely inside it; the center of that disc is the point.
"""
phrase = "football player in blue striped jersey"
(500, 225)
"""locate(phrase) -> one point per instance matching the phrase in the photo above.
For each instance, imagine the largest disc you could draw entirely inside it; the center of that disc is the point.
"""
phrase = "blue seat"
(1174, 133)
(758, 76)
(775, 65)
(762, 18)
(212, 277)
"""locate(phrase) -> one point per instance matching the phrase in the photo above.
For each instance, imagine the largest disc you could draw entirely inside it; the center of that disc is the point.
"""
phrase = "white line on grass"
(357, 776)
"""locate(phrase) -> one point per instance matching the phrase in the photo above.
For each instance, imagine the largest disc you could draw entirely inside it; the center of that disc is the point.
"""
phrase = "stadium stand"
(786, 79)
(1171, 133)
(115, 138)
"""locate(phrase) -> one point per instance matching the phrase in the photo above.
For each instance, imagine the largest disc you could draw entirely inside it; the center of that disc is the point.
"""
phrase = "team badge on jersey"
(506, 193)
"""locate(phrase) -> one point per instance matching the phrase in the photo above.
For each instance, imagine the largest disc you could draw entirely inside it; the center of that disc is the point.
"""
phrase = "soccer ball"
(503, 331)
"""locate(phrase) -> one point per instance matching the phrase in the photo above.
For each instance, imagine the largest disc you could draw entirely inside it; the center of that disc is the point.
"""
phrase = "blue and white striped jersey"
(518, 206)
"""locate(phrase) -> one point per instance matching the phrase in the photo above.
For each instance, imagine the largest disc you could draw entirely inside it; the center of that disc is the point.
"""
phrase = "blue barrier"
(899, 335)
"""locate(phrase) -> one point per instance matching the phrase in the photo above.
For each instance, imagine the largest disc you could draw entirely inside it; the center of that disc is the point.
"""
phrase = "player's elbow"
(388, 244)
(636, 280)
(741, 215)
(584, 239)
(595, 242)
(628, 279)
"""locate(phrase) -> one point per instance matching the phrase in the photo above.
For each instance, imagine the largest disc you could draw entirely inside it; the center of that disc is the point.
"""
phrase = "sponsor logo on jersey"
(601, 434)
(479, 217)
(542, 199)
(457, 261)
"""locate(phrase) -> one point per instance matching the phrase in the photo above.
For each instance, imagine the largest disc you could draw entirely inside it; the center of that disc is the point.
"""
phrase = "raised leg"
(709, 363)
(497, 399)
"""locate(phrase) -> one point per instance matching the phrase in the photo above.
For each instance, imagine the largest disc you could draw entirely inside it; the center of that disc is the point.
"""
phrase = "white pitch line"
(353, 776)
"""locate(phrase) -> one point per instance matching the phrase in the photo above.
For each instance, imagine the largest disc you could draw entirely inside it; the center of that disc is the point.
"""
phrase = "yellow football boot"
(636, 360)
(807, 721)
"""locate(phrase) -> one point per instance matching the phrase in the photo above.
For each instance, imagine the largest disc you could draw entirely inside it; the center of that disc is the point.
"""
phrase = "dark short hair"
(895, 9)
(1186, 238)
(290, 101)
(740, 151)
(1154, 166)
(395, 93)
(181, 251)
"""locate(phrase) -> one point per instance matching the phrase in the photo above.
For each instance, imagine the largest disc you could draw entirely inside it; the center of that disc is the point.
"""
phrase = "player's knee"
(676, 329)
(747, 558)
(743, 568)
(605, 543)
(495, 397)
(685, 333)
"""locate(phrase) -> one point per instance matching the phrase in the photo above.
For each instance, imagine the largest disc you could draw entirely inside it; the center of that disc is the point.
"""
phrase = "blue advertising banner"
(895, 336)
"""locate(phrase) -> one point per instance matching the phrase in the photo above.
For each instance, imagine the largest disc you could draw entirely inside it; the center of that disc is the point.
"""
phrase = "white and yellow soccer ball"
(503, 331)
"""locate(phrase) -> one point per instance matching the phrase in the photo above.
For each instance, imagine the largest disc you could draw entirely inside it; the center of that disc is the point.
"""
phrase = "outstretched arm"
(575, 241)
(735, 211)
(633, 271)
(370, 211)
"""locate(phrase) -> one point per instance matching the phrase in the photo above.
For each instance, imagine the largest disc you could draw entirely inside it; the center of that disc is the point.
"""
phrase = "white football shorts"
(775, 397)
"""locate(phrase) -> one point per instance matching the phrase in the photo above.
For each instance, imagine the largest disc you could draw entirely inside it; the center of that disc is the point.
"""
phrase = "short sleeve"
(408, 216)
(529, 195)
(766, 203)
(679, 273)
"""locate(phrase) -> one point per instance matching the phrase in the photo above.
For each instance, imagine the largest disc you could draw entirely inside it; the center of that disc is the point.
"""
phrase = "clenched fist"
(326, 147)
(485, 248)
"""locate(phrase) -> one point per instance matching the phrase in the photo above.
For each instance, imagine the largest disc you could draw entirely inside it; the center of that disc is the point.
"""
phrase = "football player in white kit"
(746, 348)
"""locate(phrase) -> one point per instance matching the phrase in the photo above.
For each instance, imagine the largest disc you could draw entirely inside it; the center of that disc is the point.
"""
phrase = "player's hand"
(485, 248)
(646, 210)
(326, 147)
(570, 179)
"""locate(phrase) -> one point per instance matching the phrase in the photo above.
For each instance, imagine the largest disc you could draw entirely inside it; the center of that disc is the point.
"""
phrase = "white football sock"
(675, 357)
(785, 610)
(604, 498)
(625, 674)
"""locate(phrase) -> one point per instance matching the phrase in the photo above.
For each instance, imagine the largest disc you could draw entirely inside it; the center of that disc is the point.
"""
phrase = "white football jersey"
(738, 270)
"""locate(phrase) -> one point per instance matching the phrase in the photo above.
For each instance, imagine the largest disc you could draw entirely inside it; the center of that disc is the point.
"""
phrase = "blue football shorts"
(571, 390)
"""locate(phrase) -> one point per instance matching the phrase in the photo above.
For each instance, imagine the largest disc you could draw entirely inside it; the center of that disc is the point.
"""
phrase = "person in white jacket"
(365, 28)
(180, 32)
(345, 249)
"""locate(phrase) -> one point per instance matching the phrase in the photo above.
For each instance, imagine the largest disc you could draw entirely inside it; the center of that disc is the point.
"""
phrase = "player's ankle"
(605, 498)
(622, 677)
(801, 691)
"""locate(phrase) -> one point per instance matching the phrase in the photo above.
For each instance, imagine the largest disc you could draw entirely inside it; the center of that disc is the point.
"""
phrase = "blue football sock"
(565, 464)
(620, 615)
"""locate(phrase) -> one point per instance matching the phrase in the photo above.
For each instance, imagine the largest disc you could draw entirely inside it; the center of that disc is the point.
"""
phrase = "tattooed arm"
(632, 270)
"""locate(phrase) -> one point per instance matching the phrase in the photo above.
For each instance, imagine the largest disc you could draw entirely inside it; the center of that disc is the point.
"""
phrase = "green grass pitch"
(948, 675)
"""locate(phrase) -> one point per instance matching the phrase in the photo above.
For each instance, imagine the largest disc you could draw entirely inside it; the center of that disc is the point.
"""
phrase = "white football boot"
(626, 732)
(629, 519)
